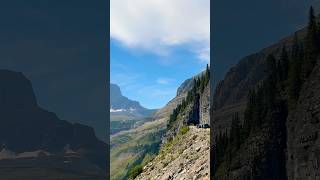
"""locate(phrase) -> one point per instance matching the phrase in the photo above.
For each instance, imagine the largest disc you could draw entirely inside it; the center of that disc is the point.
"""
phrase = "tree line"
(269, 102)
(199, 84)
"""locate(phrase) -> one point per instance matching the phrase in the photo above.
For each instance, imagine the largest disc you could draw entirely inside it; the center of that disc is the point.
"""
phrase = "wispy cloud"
(163, 81)
(125, 80)
(159, 25)
(204, 55)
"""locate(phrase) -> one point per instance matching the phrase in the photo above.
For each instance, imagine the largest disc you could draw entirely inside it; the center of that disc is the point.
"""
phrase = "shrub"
(135, 171)
(184, 130)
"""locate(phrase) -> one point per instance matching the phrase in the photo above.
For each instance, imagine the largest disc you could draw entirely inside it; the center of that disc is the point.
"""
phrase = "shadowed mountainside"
(265, 114)
(26, 127)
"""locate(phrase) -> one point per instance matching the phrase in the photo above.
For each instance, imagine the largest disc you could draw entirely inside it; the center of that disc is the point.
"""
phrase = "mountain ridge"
(26, 127)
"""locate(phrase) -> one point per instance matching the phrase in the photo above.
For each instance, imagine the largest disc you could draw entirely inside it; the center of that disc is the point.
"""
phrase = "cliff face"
(278, 135)
(26, 127)
(230, 94)
(204, 106)
(130, 147)
(185, 149)
(303, 132)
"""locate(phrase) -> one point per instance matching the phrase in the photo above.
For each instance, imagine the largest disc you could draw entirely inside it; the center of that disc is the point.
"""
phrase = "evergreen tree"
(311, 51)
(284, 64)
(272, 68)
(235, 131)
(294, 76)
(248, 114)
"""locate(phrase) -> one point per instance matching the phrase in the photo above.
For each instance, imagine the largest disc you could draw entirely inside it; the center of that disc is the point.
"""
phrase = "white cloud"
(204, 55)
(163, 81)
(158, 25)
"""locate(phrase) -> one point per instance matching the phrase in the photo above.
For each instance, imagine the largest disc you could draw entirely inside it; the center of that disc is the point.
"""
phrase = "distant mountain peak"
(120, 104)
(16, 91)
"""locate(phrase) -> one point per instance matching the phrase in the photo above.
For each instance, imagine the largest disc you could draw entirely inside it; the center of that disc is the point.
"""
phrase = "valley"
(134, 149)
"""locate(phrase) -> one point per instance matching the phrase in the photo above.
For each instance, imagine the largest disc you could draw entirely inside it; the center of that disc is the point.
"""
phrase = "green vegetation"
(171, 142)
(123, 122)
(184, 130)
(135, 171)
(268, 103)
(117, 126)
(198, 87)
(134, 148)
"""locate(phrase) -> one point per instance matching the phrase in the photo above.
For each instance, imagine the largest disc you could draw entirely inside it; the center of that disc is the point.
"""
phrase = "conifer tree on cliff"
(294, 77)
(312, 45)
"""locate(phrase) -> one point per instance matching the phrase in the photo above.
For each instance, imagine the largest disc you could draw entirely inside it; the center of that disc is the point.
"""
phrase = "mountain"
(126, 114)
(185, 148)
(303, 125)
(265, 115)
(139, 146)
(230, 94)
(26, 128)
(121, 105)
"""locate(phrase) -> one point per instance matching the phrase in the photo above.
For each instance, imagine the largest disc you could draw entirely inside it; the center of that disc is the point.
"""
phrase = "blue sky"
(156, 45)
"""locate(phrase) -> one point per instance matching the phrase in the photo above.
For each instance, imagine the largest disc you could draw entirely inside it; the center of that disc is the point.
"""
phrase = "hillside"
(185, 148)
(303, 131)
(187, 157)
(138, 146)
(32, 137)
(130, 147)
(264, 113)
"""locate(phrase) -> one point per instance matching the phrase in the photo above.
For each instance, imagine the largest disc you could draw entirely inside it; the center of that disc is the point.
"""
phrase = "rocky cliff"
(265, 126)
(185, 149)
(303, 126)
(137, 146)
(230, 94)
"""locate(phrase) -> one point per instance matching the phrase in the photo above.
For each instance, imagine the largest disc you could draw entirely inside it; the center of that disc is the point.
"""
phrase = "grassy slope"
(129, 147)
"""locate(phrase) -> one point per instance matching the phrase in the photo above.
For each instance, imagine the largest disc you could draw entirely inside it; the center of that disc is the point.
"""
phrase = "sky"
(61, 47)
(156, 45)
(241, 28)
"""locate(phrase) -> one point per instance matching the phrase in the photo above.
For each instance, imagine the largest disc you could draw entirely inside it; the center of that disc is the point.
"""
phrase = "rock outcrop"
(204, 107)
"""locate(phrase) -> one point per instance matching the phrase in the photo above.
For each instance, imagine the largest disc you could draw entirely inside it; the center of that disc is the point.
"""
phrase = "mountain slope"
(304, 130)
(265, 124)
(185, 149)
(126, 114)
(26, 127)
(128, 146)
(131, 148)
(121, 105)
(187, 157)
(230, 94)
